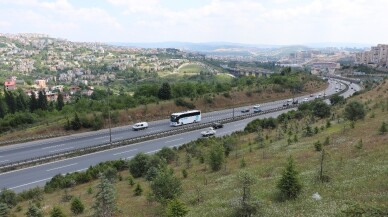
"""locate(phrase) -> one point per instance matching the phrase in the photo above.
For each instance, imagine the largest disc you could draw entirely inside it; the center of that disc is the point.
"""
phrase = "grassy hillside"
(192, 68)
(358, 172)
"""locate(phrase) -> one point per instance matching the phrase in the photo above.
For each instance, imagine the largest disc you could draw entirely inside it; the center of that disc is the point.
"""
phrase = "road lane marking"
(125, 152)
(81, 170)
(63, 149)
(61, 167)
(150, 152)
(55, 146)
(29, 183)
(174, 140)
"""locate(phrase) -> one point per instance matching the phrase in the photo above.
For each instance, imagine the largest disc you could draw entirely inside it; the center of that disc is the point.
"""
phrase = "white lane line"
(81, 170)
(63, 149)
(3, 161)
(29, 183)
(125, 152)
(61, 167)
(174, 140)
(100, 137)
(55, 146)
(118, 138)
(150, 152)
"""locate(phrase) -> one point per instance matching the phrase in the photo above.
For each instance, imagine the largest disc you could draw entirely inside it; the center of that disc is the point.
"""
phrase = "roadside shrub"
(167, 154)
(181, 102)
(8, 197)
(139, 165)
(318, 146)
(77, 207)
(354, 111)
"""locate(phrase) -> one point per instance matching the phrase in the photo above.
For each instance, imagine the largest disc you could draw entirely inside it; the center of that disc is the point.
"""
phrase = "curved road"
(26, 178)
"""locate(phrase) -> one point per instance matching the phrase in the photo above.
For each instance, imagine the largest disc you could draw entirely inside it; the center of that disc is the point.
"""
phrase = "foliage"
(266, 123)
(8, 197)
(321, 109)
(138, 190)
(383, 128)
(167, 154)
(289, 184)
(166, 186)
(165, 92)
(34, 211)
(318, 146)
(4, 210)
(57, 212)
(216, 156)
(176, 208)
(337, 99)
(183, 103)
(354, 111)
(76, 122)
(105, 199)
(138, 166)
(77, 207)
(246, 205)
(357, 210)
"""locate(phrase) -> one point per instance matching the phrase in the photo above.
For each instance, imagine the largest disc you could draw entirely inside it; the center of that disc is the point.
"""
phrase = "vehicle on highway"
(336, 90)
(285, 104)
(306, 99)
(208, 132)
(295, 101)
(311, 95)
(140, 126)
(256, 109)
(245, 110)
(187, 117)
(217, 125)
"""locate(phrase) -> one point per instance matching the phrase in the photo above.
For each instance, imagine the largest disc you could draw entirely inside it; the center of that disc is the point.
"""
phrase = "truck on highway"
(208, 132)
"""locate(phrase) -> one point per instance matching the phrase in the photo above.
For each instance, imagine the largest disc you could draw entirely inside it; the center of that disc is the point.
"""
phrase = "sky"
(272, 22)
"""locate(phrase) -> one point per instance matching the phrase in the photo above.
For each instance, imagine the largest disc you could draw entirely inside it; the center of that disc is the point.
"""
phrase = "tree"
(77, 207)
(76, 122)
(8, 197)
(165, 91)
(4, 210)
(3, 110)
(337, 99)
(60, 102)
(138, 190)
(20, 103)
(138, 166)
(33, 102)
(34, 211)
(354, 111)
(105, 199)
(176, 208)
(216, 157)
(57, 212)
(10, 100)
(383, 128)
(168, 154)
(42, 100)
(289, 184)
(321, 109)
(246, 205)
(166, 186)
(111, 174)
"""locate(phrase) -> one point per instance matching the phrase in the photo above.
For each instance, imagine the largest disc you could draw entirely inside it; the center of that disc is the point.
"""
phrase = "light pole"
(110, 128)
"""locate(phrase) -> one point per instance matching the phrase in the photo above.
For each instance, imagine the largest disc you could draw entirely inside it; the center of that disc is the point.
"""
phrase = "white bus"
(187, 117)
(256, 109)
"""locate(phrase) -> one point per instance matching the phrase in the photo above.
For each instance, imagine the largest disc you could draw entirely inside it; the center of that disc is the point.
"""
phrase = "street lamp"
(110, 128)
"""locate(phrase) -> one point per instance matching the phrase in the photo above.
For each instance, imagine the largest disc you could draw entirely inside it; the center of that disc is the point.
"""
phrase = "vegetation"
(290, 185)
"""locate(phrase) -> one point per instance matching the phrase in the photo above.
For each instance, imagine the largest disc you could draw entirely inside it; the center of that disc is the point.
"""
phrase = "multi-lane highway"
(36, 176)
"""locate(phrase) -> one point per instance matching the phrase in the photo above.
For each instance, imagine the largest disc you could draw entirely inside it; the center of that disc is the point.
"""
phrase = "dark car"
(285, 104)
(217, 125)
(295, 102)
(246, 110)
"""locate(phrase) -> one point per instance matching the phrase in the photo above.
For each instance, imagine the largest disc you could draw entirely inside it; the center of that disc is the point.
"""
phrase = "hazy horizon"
(264, 22)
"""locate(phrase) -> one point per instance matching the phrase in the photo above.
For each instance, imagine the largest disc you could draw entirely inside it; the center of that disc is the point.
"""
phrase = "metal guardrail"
(95, 148)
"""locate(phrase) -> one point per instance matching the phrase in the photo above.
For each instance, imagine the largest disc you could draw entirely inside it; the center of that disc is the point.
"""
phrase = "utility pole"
(110, 128)
(233, 112)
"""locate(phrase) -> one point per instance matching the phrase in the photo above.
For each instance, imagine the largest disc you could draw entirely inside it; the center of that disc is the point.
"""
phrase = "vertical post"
(110, 128)
(233, 112)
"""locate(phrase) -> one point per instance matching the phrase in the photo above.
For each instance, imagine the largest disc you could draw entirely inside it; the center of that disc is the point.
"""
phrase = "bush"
(383, 128)
(354, 111)
(138, 166)
(337, 99)
(167, 154)
(321, 109)
(77, 207)
(57, 212)
(318, 146)
(138, 190)
(8, 197)
(216, 156)
(183, 103)
(184, 173)
(289, 184)
(175, 208)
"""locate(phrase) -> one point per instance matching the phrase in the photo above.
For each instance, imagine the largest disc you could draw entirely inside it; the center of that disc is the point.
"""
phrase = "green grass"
(192, 68)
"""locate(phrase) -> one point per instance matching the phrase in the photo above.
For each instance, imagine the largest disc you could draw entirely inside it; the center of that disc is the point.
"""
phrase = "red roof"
(9, 83)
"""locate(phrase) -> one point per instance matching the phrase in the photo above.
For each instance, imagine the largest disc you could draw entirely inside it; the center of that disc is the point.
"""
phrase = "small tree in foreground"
(77, 207)
(166, 186)
(354, 111)
(105, 199)
(4, 211)
(57, 212)
(138, 190)
(246, 205)
(383, 128)
(289, 184)
(33, 211)
(176, 208)
(216, 157)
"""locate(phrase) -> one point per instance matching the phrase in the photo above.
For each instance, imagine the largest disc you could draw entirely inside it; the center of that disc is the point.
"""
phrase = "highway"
(26, 178)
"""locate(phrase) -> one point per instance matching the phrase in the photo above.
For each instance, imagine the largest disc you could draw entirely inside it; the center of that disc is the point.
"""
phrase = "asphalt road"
(26, 178)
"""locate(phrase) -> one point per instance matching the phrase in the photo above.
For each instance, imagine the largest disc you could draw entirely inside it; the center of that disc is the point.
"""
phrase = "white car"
(209, 132)
(306, 99)
(140, 126)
